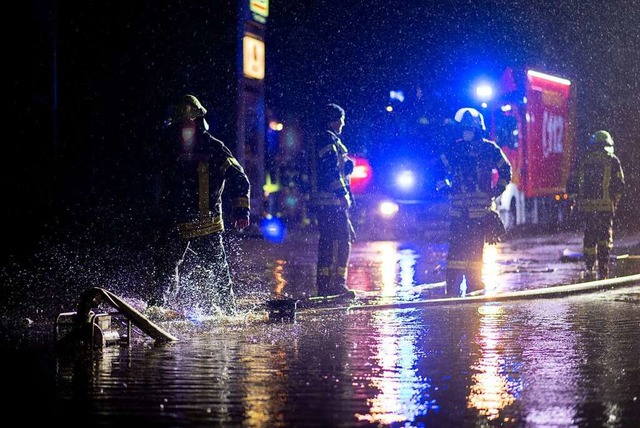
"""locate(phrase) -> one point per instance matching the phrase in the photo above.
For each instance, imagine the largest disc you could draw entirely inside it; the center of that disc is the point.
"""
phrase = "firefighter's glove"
(241, 219)
(349, 166)
(494, 230)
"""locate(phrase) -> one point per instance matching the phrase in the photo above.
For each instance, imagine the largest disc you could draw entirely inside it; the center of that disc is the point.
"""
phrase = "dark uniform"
(469, 167)
(191, 269)
(597, 185)
(329, 185)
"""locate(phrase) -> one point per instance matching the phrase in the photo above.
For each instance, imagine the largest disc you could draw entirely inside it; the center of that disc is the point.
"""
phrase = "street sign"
(253, 57)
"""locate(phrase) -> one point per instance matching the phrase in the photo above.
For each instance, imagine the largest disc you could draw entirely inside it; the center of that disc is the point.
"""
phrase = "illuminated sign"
(253, 57)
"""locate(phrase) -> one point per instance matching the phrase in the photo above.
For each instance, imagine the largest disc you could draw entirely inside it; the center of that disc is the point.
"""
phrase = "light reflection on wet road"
(564, 362)
(572, 361)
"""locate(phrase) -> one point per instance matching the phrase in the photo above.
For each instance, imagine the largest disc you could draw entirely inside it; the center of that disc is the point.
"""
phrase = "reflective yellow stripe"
(240, 202)
(200, 228)
(463, 264)
(595, 205)
(478, 213)
(326, 202)
(225, 166)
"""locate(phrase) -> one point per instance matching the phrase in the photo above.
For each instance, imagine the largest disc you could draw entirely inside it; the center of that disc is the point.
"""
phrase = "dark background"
(90, 83)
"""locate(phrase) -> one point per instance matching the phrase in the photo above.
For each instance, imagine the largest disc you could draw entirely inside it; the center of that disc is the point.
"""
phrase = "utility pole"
(251, 117)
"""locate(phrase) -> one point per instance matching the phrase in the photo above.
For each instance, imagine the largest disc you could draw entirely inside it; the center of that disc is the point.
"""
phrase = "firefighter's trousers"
(598, 241)
(193, 274)
(334, 249)
(466, 244)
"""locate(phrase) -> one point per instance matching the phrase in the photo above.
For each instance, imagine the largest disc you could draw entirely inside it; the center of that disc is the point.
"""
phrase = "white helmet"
(468, 117)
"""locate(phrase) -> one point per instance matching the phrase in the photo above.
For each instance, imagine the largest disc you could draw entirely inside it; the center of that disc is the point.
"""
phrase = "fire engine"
(529, 114)
(533, 121)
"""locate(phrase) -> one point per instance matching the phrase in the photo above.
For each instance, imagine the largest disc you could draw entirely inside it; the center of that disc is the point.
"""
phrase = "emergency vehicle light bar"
(548, 77)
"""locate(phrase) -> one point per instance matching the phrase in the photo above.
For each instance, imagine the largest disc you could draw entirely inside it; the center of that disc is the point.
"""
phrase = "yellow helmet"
(602, 139)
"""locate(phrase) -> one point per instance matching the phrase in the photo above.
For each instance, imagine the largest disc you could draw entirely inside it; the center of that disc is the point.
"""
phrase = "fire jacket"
(597, 183)
(329, 181)
(190, 183)
(469, 167)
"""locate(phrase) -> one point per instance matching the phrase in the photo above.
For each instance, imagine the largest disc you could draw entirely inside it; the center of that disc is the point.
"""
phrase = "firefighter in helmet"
(467, 176)
(331, 199)
(596, 187)
(192, 169)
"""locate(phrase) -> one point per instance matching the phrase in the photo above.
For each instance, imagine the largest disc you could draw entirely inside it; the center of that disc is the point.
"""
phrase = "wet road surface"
(571, 361)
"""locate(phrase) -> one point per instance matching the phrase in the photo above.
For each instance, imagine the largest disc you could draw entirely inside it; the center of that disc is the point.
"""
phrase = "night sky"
(91, 81)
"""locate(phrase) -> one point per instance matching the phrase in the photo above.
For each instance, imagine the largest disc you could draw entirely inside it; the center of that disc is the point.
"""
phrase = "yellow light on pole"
(253, 57)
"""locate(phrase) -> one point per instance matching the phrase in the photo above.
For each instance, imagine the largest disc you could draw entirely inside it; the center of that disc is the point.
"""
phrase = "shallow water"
(555, 362)
(572, 361)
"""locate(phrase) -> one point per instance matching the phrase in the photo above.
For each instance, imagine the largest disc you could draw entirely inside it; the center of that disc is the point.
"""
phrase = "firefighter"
(596, 187)
(330, 201)
(468, 178)
(193, 168)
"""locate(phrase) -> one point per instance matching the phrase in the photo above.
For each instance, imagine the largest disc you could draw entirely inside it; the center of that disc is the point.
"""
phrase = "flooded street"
(183, 179)
(572, 361)
(560, 362)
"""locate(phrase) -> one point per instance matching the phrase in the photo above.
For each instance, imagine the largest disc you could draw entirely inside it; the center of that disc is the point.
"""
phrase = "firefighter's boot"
(603, 270)
(339, 288)
(323, 284)
(454, 278)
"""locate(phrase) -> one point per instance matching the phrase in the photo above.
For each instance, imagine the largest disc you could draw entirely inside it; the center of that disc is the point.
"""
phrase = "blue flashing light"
(396, 95)
(406, 180)
(484, 92)
(273, 229)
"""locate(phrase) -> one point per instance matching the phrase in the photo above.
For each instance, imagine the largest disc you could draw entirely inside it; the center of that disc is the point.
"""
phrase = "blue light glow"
(484, 92)
(273, 229)
(396, 95)
(406, 180)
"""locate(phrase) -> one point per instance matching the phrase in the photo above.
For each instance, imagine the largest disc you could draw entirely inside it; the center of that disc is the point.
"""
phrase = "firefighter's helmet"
(602, 139)
(470, 118)
(189, 107)
(330, 113)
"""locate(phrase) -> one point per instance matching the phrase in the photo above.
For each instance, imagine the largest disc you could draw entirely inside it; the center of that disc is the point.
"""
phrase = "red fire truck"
(533, 120)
